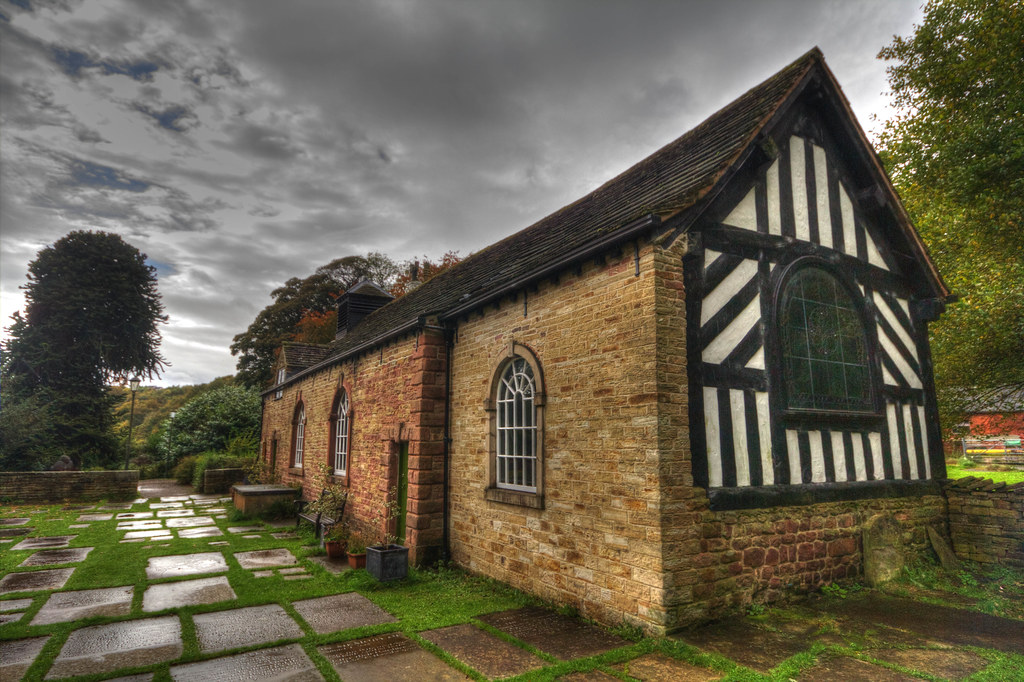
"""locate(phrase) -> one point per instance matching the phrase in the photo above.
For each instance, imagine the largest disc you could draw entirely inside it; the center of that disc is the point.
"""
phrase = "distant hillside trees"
(92, 318)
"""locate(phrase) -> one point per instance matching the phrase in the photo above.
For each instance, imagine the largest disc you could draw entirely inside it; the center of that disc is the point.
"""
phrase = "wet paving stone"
(78, 525)
(746, 644)
(262, 574)
(265, 558)
(221, 542)
(13, 532)
(483, 651)
(95, 517)
(106, 648)
(14, 605)
(174, 513)
(134, 516)
(62, 607)
(46, 542)
(204, 532)
(154, 534)
(243, 529)
(292, 571)
(945, 663)
(189, 522)
(341, 612)
(149, 524)
(52, 557)
(846, 668)
(185, 564)
(187, 593)
(391, 657)
(51, 579)
(561, 636)
(288, 662)
(284, 536)
(166, 505)
(142, 677)
(8, 618)
(662, 668)
(17, 656)
(589, 676)
(15, 521)
(175, 498)
(244, 627)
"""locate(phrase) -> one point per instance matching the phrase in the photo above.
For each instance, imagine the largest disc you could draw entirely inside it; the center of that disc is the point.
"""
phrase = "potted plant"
(386, 560)
(336, 541)
(356, 551)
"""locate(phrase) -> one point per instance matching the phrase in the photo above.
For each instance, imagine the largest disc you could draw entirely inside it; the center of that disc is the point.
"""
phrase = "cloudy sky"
(242, 142)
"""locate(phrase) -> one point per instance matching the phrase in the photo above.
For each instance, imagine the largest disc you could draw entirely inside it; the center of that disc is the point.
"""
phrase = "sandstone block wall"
(396, 395)
(986, 520)
(596, 544)
(221, 480)
(57, 486)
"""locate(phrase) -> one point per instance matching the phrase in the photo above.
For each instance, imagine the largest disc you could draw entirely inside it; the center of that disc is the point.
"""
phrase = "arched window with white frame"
(299, 437)
(516, 455)
(340, 417)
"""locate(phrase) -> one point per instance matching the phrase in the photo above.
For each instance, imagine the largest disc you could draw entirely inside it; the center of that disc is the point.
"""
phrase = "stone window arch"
(298, 434)
(341, 433)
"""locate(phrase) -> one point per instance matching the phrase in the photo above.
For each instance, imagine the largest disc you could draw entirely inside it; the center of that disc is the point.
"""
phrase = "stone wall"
(986, 520)
(40, 487)
(221, 480)
(396, 396)
(596, 543)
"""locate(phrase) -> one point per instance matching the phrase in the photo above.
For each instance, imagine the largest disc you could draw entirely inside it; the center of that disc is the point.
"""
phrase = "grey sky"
(241, 142)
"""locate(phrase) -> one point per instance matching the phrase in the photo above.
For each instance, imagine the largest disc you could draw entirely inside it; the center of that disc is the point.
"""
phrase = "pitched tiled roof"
(672, 179)
(298, 356)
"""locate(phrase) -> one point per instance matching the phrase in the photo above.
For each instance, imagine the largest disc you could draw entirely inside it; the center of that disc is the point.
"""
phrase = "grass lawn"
(424, 601)
(1008, 477)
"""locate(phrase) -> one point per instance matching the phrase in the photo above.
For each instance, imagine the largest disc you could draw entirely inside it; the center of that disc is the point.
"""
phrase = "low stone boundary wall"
(986, 520)
(41, 487)
(221, 480)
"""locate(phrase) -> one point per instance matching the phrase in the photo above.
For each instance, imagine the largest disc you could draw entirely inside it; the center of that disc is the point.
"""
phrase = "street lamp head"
(134, 383)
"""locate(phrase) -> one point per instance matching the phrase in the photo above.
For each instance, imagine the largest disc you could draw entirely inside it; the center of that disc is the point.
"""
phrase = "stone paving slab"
(50, 579)
(187, 593)
(17, 656)
(563, 637)
(166, 505)
(173, 513)
(746, 644)
(391, 657)
(62, 607)
(45, 542)
(846, 668)
(243, 529)
(331, 565)
(244, 627)
(589, 676)
(146, 524)
(142, 677)
(948, 664)
(483, 651)
(95, 517)
(175, 498)
(78, 525)
(265, 558)
(120, 506)
(341, 612)
(204, 532)
(14, 532)
(288, 662)
(8, 618)
(662, 668)
(52, 557)
(106, 648)
(185, 564)
(134, 516)
(143, 535)
(14, 521)
(189, 522)
(14, 605)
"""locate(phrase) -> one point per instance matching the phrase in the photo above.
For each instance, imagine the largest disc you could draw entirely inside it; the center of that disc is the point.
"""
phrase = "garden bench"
(321, 522)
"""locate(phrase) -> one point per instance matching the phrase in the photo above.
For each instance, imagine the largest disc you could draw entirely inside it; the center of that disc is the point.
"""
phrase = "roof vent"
(358, 302)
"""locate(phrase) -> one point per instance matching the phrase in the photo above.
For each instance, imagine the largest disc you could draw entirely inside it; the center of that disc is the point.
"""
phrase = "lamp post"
(134, 384)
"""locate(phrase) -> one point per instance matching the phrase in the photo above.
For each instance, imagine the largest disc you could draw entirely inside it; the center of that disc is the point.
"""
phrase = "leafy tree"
(211, 421)
(91, 317)
(955, 151)
(317, 294)
(426, 270)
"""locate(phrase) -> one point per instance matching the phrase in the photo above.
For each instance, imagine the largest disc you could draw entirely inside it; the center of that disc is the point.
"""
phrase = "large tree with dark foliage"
(955, 151)
(92, 317)
(297, 300)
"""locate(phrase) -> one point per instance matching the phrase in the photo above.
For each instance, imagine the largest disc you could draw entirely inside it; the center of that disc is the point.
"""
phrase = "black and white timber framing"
(796, 201)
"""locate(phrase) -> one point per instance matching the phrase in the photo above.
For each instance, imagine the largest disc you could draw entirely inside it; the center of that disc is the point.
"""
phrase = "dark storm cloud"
(175, 117)
(89, 174)
(72, 62)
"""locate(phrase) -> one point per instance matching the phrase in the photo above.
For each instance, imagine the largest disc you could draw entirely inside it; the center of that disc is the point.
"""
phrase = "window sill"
(295, 471)
(515, 497)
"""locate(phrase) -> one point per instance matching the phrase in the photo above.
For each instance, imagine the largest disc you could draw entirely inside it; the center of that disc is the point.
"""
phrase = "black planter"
(387, 562)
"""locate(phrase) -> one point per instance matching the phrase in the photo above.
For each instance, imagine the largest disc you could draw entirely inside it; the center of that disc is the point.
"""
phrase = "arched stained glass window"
(824, 345)
(517, 428)
(341, 435)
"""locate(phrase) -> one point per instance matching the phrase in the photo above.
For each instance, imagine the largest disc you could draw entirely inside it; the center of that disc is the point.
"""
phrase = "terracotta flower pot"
(335, 550)
(357, 560)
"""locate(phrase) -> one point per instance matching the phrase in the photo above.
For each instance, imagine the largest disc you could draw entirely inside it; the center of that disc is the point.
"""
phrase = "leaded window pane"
(824, 348)
(300, 435)
(517, 428)
(341, 436)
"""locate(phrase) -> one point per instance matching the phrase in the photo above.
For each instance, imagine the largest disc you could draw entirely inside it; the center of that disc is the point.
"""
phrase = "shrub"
(214, 460)
(183, 470)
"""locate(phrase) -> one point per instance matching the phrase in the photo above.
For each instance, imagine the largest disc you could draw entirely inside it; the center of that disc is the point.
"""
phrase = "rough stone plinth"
(190, 522)
(17, 655)
(244, 627)
(279, 663)
(14, 521)
(265, 558)
(46, 542)
(185, 564)
(174, 513)
(187, 593)
(562, 637)
(483, 651)
(52, 579)
(52, 557)
(204, 532)
(883, 549)
(662, 668)
(62, 607)
(105, 648)
(391, 657)
(341, 612)
(95, 517)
